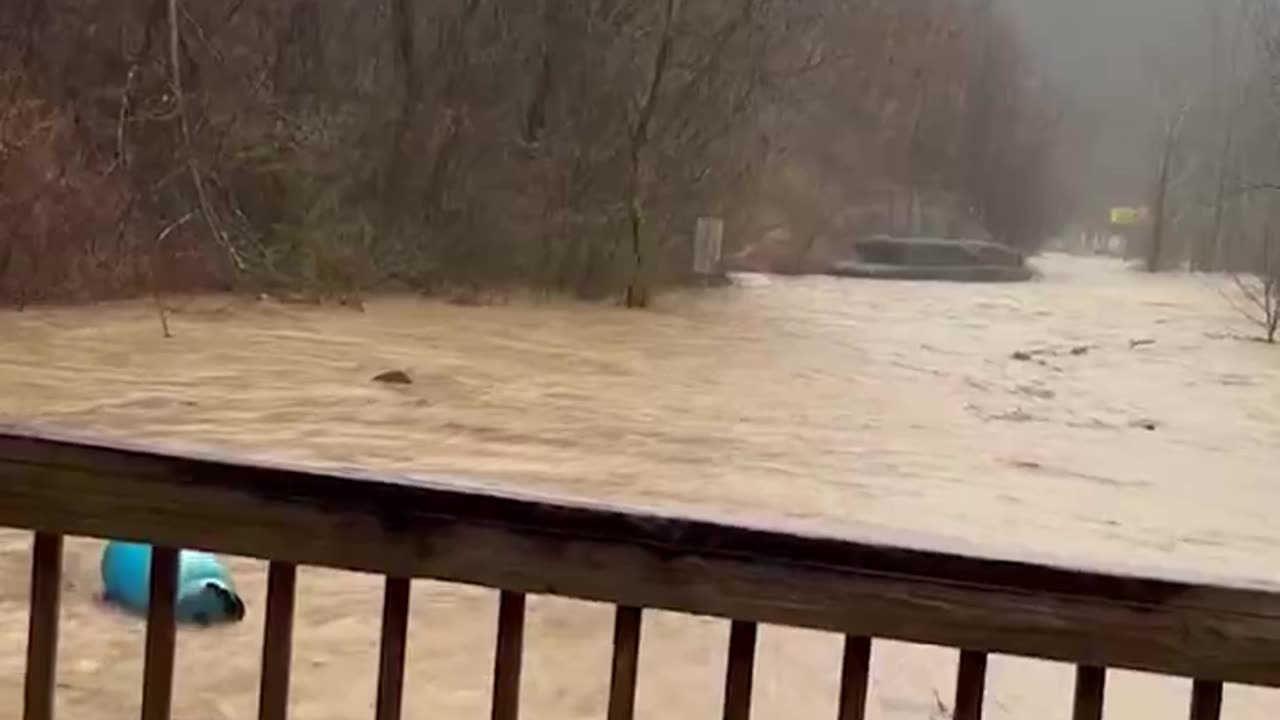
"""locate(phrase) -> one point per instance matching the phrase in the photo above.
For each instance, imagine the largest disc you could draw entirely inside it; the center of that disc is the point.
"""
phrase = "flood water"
(1100, 416)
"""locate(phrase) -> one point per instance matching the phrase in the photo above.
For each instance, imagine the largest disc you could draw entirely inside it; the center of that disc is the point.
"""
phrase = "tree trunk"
(1155, 251)
(1208, 254)
(638, 289)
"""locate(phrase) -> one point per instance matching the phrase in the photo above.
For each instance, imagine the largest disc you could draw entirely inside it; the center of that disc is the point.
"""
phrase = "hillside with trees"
(333, 148)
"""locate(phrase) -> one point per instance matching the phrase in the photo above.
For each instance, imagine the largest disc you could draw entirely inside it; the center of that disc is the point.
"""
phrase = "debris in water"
(1016, 415)
(394, 377)
(205, 595)
(1040, 393)
(1076, 351)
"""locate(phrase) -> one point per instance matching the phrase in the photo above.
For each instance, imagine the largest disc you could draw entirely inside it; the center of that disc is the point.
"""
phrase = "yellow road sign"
(1125, 216)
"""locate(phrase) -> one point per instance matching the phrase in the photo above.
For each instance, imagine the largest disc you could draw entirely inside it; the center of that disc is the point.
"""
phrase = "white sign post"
(708, 237)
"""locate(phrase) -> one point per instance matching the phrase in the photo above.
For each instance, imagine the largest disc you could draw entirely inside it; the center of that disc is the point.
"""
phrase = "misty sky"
(1116, 63)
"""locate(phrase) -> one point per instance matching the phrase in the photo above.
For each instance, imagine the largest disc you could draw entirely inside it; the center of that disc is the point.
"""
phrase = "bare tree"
(1159, 210)
(1259, 292)
(567, 145)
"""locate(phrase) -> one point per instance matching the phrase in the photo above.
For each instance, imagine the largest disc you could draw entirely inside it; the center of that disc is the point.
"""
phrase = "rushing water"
(1100, 416)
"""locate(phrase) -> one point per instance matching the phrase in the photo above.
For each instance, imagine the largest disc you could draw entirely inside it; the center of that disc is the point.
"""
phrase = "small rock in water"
(394, 377)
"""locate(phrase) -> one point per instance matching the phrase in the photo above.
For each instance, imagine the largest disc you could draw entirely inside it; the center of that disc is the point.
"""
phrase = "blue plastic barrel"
(206, 594)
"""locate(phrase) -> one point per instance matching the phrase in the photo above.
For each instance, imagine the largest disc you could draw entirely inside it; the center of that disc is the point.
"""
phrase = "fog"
(1120, 66)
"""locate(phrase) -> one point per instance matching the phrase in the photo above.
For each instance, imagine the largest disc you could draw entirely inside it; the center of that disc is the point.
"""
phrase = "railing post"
(1206, 700)
(626, 662)
(855, 672)
(157, 672)
(277, 642)
(42, 631)
(971, 682)
(740, 676)
(391, 650)
(508, 656)
(1091, 684)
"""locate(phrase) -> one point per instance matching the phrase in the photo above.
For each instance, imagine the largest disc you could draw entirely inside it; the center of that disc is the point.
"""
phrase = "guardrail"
(57, 486)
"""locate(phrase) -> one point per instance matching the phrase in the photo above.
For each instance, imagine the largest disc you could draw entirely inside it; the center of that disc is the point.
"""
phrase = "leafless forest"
(331, 147)
(1185, 120)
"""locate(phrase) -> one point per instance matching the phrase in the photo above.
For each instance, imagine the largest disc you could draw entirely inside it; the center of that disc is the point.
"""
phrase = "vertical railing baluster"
(157, 673)
(506, 665)
(277, 642)
(855, 672)
(741, 671)
(1091, 685)
(626, 663)
(42, 629)
(1206, 700)
(971, 681)
(395, 633)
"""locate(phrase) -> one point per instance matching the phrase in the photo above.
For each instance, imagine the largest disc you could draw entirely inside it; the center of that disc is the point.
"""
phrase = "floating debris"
(1041, 393)
(394, 377)
(206, 594)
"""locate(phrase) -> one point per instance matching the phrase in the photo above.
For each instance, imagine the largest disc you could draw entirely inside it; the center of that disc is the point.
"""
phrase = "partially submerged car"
(889, 258)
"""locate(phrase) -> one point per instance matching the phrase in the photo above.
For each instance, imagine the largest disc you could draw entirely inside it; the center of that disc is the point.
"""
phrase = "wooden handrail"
(1211, 631)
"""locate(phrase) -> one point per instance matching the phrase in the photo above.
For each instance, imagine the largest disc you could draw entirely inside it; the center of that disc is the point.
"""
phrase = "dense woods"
(331, 147)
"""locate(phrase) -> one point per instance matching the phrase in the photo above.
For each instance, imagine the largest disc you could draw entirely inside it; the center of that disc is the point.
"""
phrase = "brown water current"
(1098, 416)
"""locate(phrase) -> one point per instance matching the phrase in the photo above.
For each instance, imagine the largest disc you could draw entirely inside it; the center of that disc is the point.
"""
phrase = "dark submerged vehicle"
(889, 258)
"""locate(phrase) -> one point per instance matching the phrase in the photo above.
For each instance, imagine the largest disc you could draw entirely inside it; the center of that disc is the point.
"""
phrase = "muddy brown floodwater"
(1098, 416)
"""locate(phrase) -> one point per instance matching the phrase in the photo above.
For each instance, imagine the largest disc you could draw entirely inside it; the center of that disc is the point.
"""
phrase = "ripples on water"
(857, 407)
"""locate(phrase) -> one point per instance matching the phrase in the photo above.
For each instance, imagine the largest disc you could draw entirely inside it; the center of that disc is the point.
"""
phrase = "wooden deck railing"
(1210, 632)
